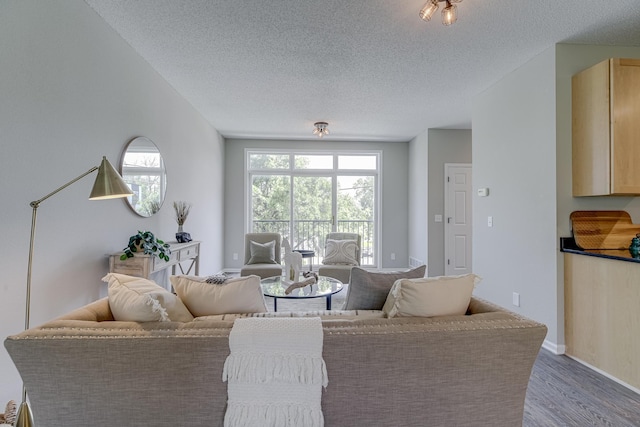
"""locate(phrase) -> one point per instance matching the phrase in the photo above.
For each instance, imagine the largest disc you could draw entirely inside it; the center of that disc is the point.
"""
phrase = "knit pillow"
(134, 299)
(340, 252)
(430, 296)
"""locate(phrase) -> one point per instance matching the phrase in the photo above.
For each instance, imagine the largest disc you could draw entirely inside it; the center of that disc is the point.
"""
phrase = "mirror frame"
(160, 171)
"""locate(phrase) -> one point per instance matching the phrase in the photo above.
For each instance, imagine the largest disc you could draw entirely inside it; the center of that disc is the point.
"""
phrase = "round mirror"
(142, 168)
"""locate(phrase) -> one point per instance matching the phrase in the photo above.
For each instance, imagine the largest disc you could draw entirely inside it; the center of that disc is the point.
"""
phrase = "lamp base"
(24, 417)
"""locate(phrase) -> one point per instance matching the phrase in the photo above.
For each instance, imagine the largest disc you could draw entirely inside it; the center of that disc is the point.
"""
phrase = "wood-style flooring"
(563, 392)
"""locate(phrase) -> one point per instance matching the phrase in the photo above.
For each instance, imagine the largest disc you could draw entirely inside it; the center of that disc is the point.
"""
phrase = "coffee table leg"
(275, 304)
(328, 302)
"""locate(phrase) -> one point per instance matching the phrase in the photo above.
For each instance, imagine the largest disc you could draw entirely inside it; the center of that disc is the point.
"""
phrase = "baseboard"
(553, 347)
(605, 374)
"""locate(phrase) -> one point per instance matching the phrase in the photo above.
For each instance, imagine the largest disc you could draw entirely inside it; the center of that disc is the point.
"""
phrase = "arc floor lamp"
(108, 185)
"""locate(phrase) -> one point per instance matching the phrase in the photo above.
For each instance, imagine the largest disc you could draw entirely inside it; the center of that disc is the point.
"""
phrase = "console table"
(145, 265)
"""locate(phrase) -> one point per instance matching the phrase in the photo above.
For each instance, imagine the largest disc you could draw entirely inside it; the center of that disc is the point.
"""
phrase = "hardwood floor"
(562, 392)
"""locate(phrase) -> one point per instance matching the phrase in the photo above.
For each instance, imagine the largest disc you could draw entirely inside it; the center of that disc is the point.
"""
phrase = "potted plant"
(146, 243)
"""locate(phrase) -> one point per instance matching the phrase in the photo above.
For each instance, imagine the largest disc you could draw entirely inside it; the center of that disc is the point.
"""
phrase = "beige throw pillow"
(342, 252)
(239, 295)
(430, 296)
(134, 299)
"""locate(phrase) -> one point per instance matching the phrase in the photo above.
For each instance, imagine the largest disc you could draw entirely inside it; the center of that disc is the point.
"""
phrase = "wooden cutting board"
(603, 229)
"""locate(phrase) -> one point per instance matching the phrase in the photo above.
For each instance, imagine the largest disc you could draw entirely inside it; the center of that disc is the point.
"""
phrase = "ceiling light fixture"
(449, 13)
(321, 129)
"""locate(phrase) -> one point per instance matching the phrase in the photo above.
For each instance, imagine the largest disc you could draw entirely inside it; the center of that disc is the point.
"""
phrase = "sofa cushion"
(239, 295)
(430, 296)
(369, 290)
(340, 252)
(135, 299)
(262, 253)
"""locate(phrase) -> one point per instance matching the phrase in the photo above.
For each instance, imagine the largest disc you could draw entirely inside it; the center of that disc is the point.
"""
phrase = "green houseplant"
(148, 244)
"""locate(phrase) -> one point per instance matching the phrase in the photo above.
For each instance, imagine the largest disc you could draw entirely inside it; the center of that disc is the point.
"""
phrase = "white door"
(457, 227)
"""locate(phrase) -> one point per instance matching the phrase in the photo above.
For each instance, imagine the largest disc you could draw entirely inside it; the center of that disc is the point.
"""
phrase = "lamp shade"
(109, 184)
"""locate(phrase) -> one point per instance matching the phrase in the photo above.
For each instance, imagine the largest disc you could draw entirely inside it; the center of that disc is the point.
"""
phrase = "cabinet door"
(625, 126)
(590, 131)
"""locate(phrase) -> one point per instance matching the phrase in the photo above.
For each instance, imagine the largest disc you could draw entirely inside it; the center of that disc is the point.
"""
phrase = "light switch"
(438, 218)
(483, 192)
(489, 221)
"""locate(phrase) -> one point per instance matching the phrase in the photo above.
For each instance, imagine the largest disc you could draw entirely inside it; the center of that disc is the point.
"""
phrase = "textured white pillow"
(239, 295)
(340, 252)
(430, 296)
(134, 299)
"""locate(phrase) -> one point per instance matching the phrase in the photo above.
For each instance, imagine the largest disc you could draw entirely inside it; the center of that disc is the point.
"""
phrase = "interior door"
(458, 230)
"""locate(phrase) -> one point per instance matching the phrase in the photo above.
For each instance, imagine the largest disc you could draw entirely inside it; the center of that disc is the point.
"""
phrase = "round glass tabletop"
(276, 287)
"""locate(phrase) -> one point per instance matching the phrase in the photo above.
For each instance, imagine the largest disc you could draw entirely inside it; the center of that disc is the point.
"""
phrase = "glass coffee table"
(325, 287)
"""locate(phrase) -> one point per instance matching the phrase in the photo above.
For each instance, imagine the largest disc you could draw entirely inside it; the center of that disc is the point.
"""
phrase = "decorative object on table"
(182, 213)
(292, 262)
(148, 244)
(634, 249)
(108, 185)
(308, 274)
(9, 416)
(300, 284)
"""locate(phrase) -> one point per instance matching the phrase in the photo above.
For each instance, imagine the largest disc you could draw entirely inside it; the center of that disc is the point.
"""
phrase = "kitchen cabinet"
(606, 129)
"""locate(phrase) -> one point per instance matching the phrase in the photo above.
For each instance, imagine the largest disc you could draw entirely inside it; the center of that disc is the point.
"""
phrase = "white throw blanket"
(275, 373)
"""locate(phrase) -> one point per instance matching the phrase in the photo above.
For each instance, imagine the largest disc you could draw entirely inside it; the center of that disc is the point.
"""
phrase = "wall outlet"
(235, 256)
(393, 256)
(516, 299)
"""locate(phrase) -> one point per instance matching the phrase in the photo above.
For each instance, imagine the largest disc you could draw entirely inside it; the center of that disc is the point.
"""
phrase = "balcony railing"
(311, 235)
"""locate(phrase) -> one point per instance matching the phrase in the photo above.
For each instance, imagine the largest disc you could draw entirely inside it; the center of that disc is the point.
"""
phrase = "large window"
(305, 195)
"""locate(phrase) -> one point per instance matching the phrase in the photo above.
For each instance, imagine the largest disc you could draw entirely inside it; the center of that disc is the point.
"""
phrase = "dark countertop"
(568, 244)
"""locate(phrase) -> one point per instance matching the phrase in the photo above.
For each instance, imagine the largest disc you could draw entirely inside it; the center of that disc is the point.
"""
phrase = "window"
(303, 196)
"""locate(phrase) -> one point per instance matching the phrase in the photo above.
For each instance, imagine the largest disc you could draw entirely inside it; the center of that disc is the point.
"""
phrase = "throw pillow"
(239, 295)
(134, 299)
(262, 253)
(431, 296)
(340, 252)
(368, 291)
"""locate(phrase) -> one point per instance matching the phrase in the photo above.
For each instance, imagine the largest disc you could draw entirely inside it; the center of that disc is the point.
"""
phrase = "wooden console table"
(145, 265)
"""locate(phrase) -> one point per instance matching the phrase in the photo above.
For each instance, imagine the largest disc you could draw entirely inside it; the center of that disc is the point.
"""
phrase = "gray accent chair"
(262, 270)
(340, 271)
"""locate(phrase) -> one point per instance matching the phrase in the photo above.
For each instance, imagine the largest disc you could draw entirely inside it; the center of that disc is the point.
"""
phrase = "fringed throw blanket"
(275, 373)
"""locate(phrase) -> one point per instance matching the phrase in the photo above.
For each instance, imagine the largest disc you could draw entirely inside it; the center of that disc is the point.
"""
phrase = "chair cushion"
(340, 252)
(239, 295)
(263, 253)
(134, 299)
(369, 290)
(430, 296)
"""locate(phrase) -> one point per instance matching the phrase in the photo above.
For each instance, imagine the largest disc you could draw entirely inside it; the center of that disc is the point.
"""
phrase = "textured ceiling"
(371, 68)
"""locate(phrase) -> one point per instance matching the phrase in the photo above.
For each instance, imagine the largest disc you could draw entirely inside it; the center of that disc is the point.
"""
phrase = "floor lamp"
(108, 185)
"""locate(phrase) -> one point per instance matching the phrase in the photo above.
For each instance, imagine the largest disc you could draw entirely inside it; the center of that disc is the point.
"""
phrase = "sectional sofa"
(85, 369)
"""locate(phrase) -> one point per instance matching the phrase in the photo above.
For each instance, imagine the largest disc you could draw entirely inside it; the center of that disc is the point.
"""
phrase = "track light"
(449, 13)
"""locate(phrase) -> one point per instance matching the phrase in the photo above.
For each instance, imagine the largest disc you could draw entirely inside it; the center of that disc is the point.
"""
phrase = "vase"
(179, 228)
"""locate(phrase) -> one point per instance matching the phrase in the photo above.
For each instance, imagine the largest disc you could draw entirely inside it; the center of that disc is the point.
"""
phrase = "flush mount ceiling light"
(449, 13)
(321, 129)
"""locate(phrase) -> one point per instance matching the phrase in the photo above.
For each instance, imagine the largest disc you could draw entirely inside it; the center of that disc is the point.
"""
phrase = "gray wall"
(445, 146)
(73, 91)
(394, 194)
(429, 152)
(522, 152)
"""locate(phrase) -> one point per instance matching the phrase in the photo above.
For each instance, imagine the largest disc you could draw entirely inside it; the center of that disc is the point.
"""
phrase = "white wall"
(445, 146)
(73, 91)
(394, 194)
(514, 155)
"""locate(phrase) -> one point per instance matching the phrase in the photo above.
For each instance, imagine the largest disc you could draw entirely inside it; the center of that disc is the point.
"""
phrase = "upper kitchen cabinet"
(606, 129)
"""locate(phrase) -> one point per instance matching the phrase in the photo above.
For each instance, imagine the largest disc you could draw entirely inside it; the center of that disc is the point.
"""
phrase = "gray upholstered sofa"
(85, 369)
